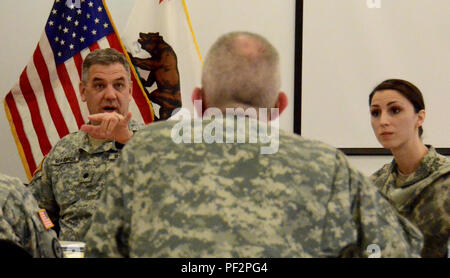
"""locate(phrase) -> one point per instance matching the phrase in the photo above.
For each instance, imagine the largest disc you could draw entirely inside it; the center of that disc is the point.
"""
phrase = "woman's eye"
(374, 113)
(395, 110)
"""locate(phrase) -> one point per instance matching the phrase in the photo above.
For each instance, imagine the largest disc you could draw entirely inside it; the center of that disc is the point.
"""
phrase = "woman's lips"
(386, 134)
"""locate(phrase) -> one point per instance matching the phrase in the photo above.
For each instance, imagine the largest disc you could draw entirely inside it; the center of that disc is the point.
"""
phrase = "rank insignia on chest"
(45, 219)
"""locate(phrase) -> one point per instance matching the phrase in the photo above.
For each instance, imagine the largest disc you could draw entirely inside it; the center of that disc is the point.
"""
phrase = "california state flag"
(162, 46)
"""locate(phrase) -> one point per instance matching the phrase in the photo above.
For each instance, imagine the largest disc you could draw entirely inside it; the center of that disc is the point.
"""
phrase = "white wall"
(273, 19)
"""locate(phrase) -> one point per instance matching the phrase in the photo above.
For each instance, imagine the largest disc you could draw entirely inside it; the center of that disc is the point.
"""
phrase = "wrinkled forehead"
(111, 72)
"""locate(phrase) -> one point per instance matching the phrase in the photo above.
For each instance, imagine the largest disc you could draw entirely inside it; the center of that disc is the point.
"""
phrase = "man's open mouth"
(109, 108)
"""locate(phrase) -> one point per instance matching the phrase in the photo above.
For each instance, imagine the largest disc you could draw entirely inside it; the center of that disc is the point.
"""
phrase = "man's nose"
(110, 92)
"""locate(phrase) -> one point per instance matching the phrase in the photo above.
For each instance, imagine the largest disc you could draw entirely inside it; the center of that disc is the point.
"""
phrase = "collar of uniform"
(432, 166)
(85, 144)
(135, 126)
(427, 166)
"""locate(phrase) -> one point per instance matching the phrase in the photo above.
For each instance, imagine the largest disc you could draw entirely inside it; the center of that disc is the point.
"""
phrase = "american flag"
(45, 105)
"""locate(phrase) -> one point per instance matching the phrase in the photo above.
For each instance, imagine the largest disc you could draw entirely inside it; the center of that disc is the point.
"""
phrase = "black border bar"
(381, 151)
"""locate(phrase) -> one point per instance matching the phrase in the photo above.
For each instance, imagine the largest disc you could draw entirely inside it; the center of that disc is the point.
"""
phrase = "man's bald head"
(241, 70)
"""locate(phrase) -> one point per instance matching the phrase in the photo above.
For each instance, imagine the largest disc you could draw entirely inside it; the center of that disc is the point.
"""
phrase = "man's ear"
(131, 89)
(198, 95)
(82, 89)
(281, 104)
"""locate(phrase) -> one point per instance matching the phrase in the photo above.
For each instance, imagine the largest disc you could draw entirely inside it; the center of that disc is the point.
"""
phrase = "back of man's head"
(241, 70)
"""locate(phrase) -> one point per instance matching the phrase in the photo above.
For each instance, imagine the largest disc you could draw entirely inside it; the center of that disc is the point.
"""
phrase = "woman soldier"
(417, 181)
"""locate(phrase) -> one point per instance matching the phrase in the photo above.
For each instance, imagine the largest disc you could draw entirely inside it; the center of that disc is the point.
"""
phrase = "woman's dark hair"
(407, 89)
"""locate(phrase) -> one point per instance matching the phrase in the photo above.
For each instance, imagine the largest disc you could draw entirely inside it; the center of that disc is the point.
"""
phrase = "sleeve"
(20, 231)
(38, 238)
(20, 221)
(9, 219)
(109, 230)
(42, 190)
(382, 232)
(432, 215)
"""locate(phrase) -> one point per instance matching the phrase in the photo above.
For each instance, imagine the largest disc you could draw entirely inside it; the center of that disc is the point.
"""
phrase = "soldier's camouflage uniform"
(71, 179)
(164, 199)
(423, 198)
(20, 223)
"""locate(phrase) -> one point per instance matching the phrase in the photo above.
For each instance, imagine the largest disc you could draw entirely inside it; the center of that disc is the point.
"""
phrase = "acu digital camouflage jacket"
(71, 179)
(423, 198)
(20, 223)
(186, 199)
